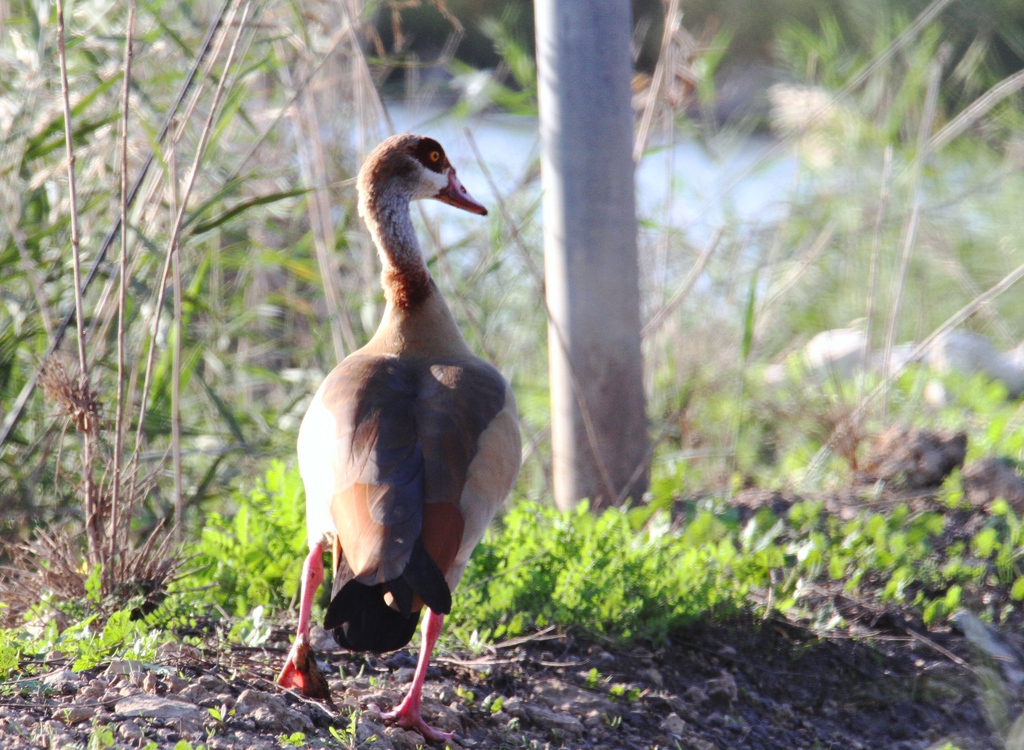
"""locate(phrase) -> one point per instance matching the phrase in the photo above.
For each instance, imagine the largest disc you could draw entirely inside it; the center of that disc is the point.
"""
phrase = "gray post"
(598, 421)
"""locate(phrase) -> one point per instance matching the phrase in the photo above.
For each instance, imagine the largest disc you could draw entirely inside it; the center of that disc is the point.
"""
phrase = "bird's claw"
(411, 719)
(300, 672)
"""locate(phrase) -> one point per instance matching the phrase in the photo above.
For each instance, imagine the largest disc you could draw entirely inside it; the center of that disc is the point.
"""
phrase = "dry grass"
(49, 572)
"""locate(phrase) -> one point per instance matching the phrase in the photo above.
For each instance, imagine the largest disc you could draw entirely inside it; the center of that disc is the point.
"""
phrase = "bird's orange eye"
(434, 155)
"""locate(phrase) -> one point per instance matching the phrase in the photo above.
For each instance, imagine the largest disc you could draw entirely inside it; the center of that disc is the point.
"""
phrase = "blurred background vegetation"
(795, 178)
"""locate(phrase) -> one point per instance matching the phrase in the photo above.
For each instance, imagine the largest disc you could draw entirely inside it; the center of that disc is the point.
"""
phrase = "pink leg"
(300, 670)
(407, 715)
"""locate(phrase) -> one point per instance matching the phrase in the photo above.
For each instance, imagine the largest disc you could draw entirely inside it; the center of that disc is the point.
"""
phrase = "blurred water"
(746, 180)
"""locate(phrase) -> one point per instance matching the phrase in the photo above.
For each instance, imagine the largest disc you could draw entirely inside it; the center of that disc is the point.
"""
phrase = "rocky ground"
(882, 681)
(744, 685)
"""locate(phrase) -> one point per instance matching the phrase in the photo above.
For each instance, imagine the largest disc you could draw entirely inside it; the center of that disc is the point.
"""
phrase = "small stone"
(195, 693)
(157, 707)
(404, 739)
(75, 714)
(225, 701)
(63, 681)
(549, 719)
(654, 677)
(55, 655)
(271, 713)
(150, 683)
(722, 689)
(695, 695)
(90, 692)
(916, 459)
(698, 744)
(175, 684)
(674, 725)
(321, 641)
(365, 730)
(210, 682)
(515, 707)
(989, 479)
(784, 712)
(405, 674)
(131, 731)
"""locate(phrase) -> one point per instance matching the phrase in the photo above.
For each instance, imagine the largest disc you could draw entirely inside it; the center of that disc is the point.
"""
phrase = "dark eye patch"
(429, 153)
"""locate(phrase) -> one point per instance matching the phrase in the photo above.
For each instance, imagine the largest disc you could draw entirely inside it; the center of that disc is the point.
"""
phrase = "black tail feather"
(427, 580)
(361, 620)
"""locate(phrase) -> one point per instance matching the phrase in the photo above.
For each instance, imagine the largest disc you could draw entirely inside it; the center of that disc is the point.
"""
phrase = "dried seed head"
(74, 400)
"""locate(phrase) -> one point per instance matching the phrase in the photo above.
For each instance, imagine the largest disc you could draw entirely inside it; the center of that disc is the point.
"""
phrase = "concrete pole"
(598, 420)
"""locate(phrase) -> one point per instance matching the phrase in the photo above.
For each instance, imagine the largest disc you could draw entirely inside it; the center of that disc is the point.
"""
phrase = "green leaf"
(239, 208)
(1017, 591)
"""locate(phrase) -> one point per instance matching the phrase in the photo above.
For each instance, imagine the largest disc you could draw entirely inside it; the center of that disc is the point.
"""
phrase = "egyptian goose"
(408, 449)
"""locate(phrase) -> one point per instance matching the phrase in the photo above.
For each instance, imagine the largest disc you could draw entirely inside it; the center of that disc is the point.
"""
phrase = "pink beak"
(457, 195)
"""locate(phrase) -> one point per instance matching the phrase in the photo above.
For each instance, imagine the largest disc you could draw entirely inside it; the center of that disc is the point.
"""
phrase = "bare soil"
(745, 684)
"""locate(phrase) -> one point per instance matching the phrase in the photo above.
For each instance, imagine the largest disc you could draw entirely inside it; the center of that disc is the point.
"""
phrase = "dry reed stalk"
(876, 244)
(366, 88)
(75, 400)
(179, 218)
(93, 512)
(948, 260)
(142, 576)
(311, 163)
(175, 253)
(663, 314)
(977, 109)
(219, 39)
(806, 259)
(336, 38)
(910, 230)
(122, 295)
(673, 21)
(16, 409)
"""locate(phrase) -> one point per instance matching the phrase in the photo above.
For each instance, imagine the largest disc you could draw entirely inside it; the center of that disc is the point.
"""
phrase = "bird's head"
(417, 166)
